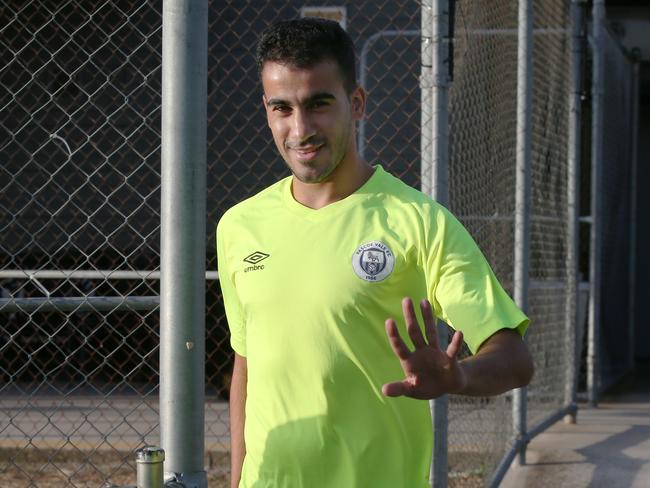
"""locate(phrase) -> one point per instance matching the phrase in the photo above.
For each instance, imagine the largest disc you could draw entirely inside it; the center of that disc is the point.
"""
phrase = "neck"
(341, 183)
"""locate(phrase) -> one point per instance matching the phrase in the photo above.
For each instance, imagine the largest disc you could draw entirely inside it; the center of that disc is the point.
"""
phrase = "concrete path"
(95, 423)
(608, 447)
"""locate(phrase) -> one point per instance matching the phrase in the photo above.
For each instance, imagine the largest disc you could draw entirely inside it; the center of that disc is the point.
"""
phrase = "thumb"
(396, 389)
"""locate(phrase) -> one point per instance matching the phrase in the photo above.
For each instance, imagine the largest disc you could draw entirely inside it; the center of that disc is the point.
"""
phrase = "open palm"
(429, 372)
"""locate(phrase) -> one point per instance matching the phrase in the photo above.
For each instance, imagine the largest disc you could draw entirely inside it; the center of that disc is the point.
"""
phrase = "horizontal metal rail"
(78, 304)
(54, 274)
(512, 32)
(86, 274)
(509, 218)
(141, 303)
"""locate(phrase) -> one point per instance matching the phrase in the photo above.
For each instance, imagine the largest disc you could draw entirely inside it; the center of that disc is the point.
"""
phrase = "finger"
(396, 389)
(429, 323)
(455, 344)
(396, 342)
(412, 326)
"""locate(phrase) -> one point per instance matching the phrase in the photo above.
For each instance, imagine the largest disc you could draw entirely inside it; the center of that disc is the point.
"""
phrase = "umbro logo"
(253, 259)
(256, 257)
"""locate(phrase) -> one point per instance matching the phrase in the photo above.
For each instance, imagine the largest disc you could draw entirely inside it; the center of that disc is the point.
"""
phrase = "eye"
(318, 104)
(282, 108)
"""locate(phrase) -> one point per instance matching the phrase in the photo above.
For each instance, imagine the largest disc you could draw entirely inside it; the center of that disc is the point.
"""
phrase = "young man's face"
(311, 117)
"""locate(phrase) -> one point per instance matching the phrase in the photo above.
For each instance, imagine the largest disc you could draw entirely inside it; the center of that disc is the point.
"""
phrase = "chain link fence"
(548, 247)
(80, 148)
(80, 219)
(482, 181)
(481, 189)
(80, 199)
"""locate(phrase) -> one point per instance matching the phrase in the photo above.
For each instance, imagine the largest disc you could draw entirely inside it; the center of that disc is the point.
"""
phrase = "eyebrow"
(313, 98)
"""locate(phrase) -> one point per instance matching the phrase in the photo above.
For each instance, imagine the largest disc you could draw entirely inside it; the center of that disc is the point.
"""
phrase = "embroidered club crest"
(373, 261)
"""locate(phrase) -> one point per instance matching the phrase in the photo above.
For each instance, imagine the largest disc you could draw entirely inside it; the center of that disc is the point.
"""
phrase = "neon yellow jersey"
(306, 294)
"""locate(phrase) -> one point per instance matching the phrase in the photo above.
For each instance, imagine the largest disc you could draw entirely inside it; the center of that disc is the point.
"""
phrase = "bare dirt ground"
(48, 442)
(49, 468)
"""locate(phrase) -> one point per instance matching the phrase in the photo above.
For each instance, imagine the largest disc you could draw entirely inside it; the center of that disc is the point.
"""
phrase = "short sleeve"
(463, 288)
(231, 302)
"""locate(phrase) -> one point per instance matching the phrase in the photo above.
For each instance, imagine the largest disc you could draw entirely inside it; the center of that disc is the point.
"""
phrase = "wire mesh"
(482, 182)
(80, 199)
(548, 251)
(79, 192)
(481, 189)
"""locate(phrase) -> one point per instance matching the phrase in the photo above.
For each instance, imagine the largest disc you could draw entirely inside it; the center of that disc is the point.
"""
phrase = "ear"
(358, 103)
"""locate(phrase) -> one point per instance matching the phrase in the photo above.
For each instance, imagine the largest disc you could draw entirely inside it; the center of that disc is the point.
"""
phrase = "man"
(312, 269)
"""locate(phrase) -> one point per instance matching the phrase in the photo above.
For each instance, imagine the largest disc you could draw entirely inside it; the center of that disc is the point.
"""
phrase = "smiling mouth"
(307, 153)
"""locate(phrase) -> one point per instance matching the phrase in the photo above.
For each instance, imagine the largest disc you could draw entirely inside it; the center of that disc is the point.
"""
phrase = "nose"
(301, 127)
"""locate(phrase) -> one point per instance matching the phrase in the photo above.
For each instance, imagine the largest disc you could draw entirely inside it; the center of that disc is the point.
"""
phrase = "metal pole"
(426, 89)
(436, 182)
(523, 191)
(598, 55)
(573, 204)
(633, 197)
(440, 65)
(435, 175)
(182, 282)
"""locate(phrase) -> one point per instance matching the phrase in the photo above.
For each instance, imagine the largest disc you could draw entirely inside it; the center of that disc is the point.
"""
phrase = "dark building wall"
(642, 324)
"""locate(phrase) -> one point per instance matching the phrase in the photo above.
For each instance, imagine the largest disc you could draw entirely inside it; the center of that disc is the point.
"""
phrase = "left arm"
(502, 363)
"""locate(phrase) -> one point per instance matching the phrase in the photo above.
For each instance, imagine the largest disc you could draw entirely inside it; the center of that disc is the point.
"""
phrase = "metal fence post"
(598, 55)
(438, 184)
(573, 203)
(426, 89)
(435, 175)
(523, 191)
(183, 193)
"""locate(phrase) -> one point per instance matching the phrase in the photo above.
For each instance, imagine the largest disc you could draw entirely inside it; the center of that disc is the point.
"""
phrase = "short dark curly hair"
(305, 42)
